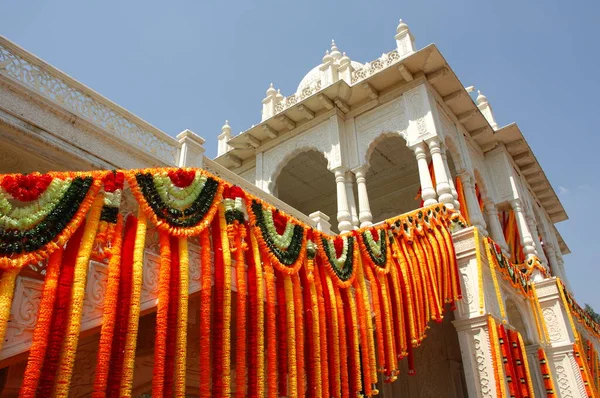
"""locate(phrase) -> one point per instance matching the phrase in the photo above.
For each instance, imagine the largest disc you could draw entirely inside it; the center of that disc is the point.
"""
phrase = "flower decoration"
(282, 239)
(339, 257)
(375, 248)
(179, 201)
(113, 191)
(55, 205)
(233, 200)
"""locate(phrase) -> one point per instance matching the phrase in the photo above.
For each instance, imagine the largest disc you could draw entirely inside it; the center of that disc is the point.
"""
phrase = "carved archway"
(305, 183)
(392, 177)
(517, 320)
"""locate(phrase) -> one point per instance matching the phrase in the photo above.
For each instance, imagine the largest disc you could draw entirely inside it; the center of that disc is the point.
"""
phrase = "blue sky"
(195, 64)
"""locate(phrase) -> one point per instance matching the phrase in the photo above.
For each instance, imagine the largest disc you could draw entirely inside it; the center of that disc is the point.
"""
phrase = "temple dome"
(315, 75)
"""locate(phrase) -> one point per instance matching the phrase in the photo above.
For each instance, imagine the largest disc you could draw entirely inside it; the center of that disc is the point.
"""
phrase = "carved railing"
(293, 99)
(34, 74)
(370, 68)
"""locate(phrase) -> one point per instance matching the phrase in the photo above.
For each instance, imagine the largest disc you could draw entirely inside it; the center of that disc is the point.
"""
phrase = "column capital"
(420, 149)
(516, 204)
(434, 144)
(321, 220)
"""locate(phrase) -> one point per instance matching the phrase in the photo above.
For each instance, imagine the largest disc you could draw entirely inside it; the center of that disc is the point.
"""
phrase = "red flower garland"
(120, 331)
(171, 341)
(310, 363)
(26, 187)
(182, 178)
(60, 315)
(323, 332)
(42, 329)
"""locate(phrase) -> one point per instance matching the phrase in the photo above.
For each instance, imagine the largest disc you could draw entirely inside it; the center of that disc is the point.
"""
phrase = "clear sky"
(193, 65)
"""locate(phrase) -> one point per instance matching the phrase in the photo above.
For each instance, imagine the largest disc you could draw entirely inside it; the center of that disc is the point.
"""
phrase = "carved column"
(559, 349)
(450, 180)
(427, 192)
(526, 239)
(495, 229)
(536, 238)
(441, 178)
(472, 202)
(476, 352)
(351, 200)
(364, 208)
(343, 215)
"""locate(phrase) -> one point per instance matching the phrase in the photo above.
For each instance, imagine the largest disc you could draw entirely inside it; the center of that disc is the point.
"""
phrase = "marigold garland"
(41, 333)
(187, 222)
(290, 316)
(260, 320)
(182, 316)
(21, 248)
(60, 316)
(332, 335)
(367, 340)
(323, 335)
(109, 312)
(299, 338)
(546, 374)
(205, 313)
(286, 259)
(7, 290)
(496, 358)
(134, 315)
(172, 323)
(271, 330)
(123, 309)
(343, 343)
(378, 309)
(282, 336)
(240, 361)
(162, 313)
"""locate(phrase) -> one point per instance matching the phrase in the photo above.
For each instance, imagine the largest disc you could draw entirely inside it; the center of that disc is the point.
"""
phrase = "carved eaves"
(405, 73)
(454, 96)
(326, 102)
(342, 105)
(234, 160)
(371, 92)
(463, 117)
(480, 131)
(270, 131)
(287, 122)
(437, 75)
(307, 113)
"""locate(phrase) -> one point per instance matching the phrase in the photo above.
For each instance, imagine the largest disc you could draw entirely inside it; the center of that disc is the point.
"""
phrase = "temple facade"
(357, 143)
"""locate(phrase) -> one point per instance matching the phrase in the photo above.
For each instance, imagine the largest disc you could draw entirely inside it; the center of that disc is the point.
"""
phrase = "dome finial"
(327, 58)
(335, 53)
(279, 96)
(226, 128)
(345, 60)
(402, 26)
(481, 99)
(271, 91)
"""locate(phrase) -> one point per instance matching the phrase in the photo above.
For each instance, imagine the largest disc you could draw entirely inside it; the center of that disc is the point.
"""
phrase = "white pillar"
(351, 200)
(223, 138)
(476, 352)
(472, 202)
(343, 215)
(405, 42)
(559, 349)
(495, 228)
(526, 239)
(534, 368)
(321, 221)
(450, 180)
(192, 149)
(427, 192)
(536, 239)
(269, 103)
(364, 208)
(441, 178)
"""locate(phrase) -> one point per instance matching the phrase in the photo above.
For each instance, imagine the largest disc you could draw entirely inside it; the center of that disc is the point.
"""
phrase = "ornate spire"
(225, 136)
(345, 60)
(279, 96)
(335, 53)
(226, 129)
(486, 109)
(327, 58)
(271, 91)
(402, 27)
(481, 99)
